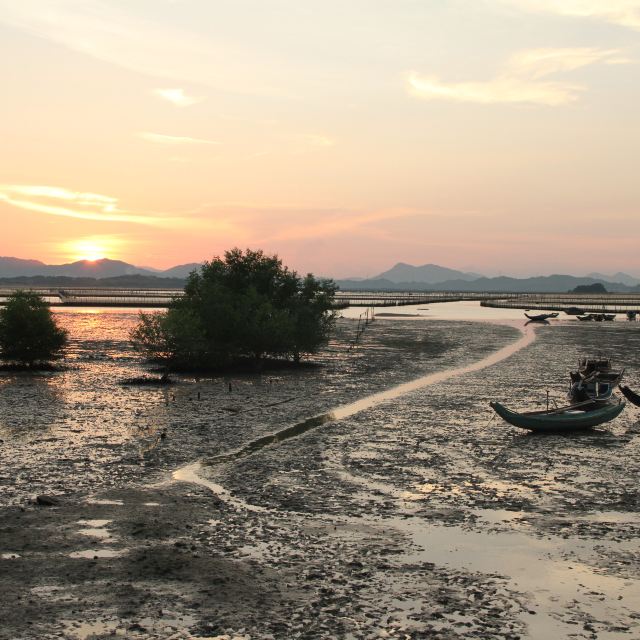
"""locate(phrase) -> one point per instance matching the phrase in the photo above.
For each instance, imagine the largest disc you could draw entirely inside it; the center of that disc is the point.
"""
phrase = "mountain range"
(430, 277)
(401, 277)
(104, 268)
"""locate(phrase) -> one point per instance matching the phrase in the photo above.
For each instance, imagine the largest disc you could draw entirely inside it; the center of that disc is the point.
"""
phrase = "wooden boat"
(631, 396)
(609, 316)
(586, 318)
(594, 380)
(601, 367)
(541, 317)
(571, 418)
(574, 311)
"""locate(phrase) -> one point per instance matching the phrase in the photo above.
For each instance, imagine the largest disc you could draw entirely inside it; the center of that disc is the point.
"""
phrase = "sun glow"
(90, 249)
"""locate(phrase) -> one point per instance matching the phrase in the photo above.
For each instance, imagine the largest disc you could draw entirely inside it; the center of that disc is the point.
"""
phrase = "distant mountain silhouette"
(401, 277)
(180, 271)
(539, 284)
(104, 268)
(624, 278)
(18, 267)
(135, 281)
(427, 273)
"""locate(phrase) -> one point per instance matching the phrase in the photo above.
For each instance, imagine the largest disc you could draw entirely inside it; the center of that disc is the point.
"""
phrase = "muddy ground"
(418, 517)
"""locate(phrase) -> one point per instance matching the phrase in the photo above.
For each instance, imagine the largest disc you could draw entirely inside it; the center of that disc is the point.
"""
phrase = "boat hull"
(553, 422)
(542, 317)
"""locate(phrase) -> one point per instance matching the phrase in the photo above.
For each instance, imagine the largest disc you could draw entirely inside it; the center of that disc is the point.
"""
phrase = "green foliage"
(596, 287)
(245, 306)
(28, 331)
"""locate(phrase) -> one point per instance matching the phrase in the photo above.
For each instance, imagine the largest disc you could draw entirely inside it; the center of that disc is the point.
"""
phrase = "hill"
(104, 268)
(427, 273)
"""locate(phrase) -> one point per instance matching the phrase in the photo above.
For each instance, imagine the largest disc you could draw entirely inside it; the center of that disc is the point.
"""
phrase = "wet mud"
(416, 516)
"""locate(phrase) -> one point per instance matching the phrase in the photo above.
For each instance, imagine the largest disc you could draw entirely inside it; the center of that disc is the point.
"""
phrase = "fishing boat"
(571, 418)
(574, 311)
(631, 396)
(541, 317)
(594, 380)
(600, 366)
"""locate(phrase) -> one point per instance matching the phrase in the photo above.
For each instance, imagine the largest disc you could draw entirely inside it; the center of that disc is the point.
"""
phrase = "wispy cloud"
(56, 201)
(318, 140)
(538, 63)
(177, 97)
(318, 223)
(161, 138)
(522, 80)
(621, 12)
(114, 33)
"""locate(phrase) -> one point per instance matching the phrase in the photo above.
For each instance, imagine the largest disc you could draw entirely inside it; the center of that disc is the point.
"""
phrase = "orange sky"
(500, 136)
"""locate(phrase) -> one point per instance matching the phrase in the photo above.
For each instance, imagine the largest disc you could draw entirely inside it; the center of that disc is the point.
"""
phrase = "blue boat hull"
(559, 420)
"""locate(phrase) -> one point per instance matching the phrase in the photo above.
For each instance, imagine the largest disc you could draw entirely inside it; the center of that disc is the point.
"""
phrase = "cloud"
(57, 201)
(317, 140)
(160, 138)
(625, 13)
(295, 223)
(522, 80)
(538, 63)
(177, 97)
(149, 45)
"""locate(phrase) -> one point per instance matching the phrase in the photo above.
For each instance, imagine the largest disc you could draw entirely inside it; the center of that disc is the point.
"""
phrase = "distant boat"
(541, 317)
(574, 311)
(631, 396)
(571, 418)
(598, 317)
(631, 315)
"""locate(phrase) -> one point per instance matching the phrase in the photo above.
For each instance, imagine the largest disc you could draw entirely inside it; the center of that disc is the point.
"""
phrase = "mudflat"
(416, 516)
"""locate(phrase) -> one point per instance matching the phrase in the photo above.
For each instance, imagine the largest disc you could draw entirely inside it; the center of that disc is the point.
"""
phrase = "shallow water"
(81, 429)
(558, 516)
(446, 509)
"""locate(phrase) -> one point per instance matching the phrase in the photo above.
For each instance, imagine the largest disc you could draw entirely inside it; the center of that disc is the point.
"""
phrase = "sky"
(498, 136)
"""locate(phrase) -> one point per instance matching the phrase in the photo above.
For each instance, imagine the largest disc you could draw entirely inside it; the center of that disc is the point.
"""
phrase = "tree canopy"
(29, 333)
(246, 305)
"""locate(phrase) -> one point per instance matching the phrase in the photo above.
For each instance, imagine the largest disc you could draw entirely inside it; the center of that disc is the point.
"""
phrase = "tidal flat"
(419, 515)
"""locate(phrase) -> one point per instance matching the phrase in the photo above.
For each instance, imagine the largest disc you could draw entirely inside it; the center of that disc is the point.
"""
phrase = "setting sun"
(91, 249)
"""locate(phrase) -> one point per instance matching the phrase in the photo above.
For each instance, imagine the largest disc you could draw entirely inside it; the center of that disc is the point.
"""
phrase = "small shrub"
(29, 334)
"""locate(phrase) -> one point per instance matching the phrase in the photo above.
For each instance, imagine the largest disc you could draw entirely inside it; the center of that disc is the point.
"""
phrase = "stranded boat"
(541, 317)
(631, 396)
(571, 418)
(574, 311)
(598, 317)
(594, 380)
